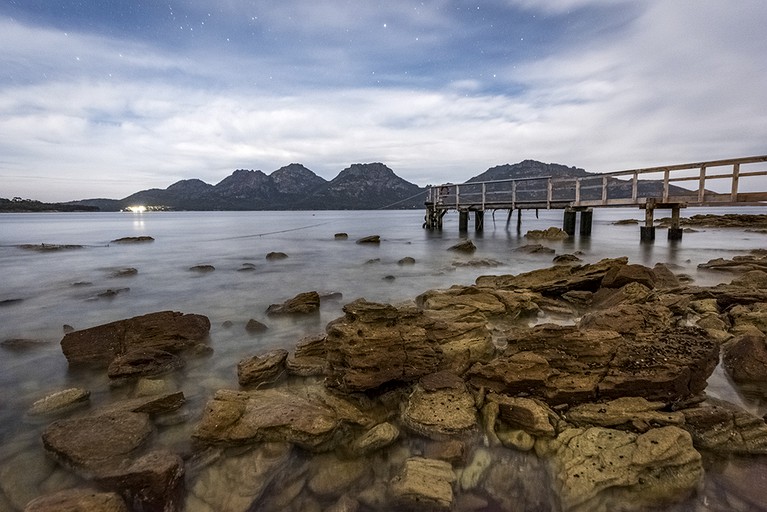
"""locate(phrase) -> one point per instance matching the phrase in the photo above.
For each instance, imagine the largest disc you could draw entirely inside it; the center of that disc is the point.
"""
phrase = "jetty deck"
(730, 182)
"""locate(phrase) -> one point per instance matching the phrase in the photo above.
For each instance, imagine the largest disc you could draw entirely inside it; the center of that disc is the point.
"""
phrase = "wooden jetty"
(629, 188)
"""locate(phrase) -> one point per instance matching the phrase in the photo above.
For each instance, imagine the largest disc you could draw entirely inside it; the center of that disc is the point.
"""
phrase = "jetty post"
(587, 217)
(647, 232)
(675, 231)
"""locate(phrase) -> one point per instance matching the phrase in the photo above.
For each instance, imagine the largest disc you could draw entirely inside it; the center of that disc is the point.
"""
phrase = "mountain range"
(358, 187)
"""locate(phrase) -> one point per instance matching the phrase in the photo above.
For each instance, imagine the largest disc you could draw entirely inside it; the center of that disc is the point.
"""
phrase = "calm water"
(63, 287)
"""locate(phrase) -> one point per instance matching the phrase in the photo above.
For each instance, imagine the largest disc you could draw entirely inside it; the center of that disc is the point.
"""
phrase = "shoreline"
(456, 348)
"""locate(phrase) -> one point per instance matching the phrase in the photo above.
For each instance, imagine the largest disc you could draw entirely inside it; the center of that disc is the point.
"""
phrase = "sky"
(102, 98)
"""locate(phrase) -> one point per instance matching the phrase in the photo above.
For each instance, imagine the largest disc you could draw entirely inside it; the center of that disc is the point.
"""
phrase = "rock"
(752, 279)
(267, 368)
(600, 469)
(376, 343)
(552, 233)
(737, 264)
(48, 247)
(531, 416)
(309, 358)
(110, 293)
(372, 239)
(380, 436)
(76, 500)
(631, 293)
(133, 240)
(344, 504)
(579, 298)
(629, 318)
(664, 278)
(271, 415)
(477, 262)
(124, 272)
(60, 401)
(535, 249)
(202, 269)
(144, 363)
(566, 259)
(564, 364)
(556, 280)
(341, 236)
(622, 275)
(331, 476)
(22, 476)
(516, 439)
(632, 413)
(153, 404)
(722, 427)
(466, 246)
(276, 256)
(626, 222)
(236, 482)
(406, 261)
(473, 472)
(301, 304)
(509, 482)
(745, 478)
(94, 444)
(167, 330)
(745, 358)
(22, 344)
(453, 451)
(423, 484)
(255, 327)
(440, 409)
(152, 483)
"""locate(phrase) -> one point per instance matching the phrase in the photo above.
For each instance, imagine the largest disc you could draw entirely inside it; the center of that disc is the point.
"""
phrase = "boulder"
(152, 483)
(309, 357)
(535, 249)
(378, 437)
(466, 246)
(440, 406)
(235, 482)
(530, 415)
(372, 239)
(76, 500)
(745, 358)
(144, 362)
(722, 427)
(153, 405)
(566, 259)
(600, 470)
(629, 318)
(266, 368)
(276, 256)
(301, 304)
(752, 279)
(341, 236)
(551, 233)
(423, 484)
(255, 327)
(555, 280)
(167, 330)
(631, 273)
(564, 364)
(374, 344)
(60, 401)
(270, 415)
(406, 261)
(95, 444)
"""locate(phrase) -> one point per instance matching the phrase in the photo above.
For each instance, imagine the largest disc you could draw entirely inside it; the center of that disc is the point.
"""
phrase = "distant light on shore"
(136, 209)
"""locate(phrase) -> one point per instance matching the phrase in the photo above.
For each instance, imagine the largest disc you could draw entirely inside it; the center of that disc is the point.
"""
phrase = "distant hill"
(19, 205)
(358, 187)
(293, 187)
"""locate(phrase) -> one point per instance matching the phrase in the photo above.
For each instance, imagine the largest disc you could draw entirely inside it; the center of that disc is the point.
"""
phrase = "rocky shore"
(579, 387)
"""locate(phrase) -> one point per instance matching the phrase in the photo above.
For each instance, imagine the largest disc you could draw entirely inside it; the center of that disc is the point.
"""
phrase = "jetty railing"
(648, 188)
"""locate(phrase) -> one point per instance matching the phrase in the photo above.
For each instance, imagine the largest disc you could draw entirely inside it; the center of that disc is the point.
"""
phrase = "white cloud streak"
(683, 82)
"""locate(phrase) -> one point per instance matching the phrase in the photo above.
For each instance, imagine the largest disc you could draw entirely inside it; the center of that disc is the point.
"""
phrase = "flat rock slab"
(438, 412)
(234, 418)
(262, 369)
(166, 330)
(96, 444)
(424, 484)
(76, 500)
(598, 469)
(722, 427)
(143, 363)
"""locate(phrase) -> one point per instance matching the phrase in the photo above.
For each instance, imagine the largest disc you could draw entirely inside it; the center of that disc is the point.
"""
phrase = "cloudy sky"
(101, 98)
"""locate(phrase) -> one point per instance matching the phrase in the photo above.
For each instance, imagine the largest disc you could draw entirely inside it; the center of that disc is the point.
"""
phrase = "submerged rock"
(722, 427)
(76, 500)
(133, 240)
(552, 233)
(49, 247)
(423, 484)
(59, 401)
(466, 246)
(144, 363)
(202, 269)
(372, 239)
(276, 256)
(96, 444)
(599, 469)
